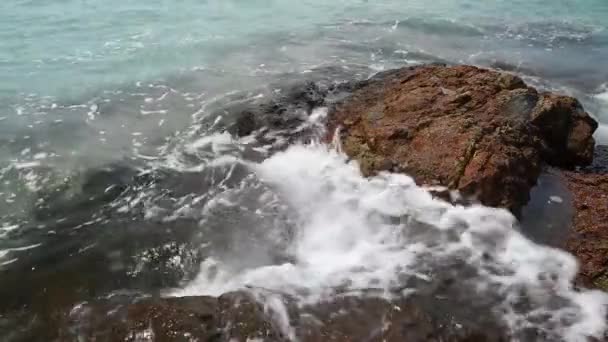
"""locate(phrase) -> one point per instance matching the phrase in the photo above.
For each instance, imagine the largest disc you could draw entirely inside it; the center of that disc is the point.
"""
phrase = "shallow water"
(116, 172)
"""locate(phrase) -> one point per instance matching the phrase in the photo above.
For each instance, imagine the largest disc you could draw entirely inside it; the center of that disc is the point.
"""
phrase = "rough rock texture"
(238, 317)
(482, 132)
(589, 238)
(234, 315)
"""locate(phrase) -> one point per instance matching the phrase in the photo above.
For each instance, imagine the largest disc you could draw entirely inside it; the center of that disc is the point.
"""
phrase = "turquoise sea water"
(69, 52)
(66, 48)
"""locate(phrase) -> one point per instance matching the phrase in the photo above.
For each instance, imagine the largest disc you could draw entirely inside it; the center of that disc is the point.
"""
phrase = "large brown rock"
(482, 132)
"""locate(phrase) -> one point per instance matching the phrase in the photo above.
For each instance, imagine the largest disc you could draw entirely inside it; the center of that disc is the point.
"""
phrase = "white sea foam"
(603, 95)
(601, 135)
(217, 142)
(354, 234)
(10, 251)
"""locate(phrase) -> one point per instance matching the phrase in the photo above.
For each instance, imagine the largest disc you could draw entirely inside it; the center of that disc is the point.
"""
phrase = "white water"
(349, 234)
(601, 135)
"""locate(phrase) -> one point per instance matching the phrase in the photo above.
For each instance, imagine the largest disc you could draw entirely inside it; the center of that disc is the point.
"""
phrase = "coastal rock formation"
(481, 132)
(589, 237)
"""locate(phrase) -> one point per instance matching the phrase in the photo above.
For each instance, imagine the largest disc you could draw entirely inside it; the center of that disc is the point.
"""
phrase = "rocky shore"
(487, 135)
(472, 135)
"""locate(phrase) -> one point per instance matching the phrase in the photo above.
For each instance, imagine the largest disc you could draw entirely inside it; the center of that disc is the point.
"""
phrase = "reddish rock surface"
(589, 241)
(482, 132)
(589, 238)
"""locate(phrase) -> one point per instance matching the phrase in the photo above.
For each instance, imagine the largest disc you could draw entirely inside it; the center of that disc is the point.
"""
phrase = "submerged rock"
(287, 106)
(547, 218)
(240, 317)
(234, 315)
(481, 132)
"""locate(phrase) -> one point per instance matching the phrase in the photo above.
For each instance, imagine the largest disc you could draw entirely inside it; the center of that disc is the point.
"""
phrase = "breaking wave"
(317, 230)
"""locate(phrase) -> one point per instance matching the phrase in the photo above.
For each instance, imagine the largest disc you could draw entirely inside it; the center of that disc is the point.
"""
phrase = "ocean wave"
(552, 33)
(349, 235)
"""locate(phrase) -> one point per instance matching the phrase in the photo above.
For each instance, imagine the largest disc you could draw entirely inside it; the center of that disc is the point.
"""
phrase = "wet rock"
(481, 132)
(600, 161)
(286, 107)
(412, 319)
(245, 124)
(239, 316)
(589, 238)
(567, 130)
(233, 316)
(175, 319)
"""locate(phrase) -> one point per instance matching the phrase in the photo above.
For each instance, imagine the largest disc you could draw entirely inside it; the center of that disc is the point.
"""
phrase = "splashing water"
(350, 235)
(601, 112)
(115, 85)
